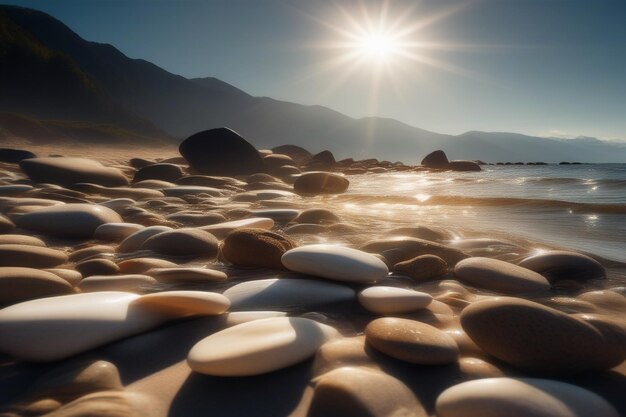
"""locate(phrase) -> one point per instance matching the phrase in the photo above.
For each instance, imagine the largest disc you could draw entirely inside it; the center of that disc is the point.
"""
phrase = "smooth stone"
(558, 265)
(196, 219)
(413, 247)
(335, 262)
(118, 203)
(531, 337)
(273, 194)
(124, 193)
(128, 282)
(153, 184)
(256, 248)
(463, 166)
(143, 265)
(521, 397)
(359, 392)
(68, 220)
(70, 275)
(66, 171)
(182, 190)
(306, 229)
(314, 183)
(72, 380)
(97, 267)
(423, 267)
(14, 189)
(278, 215)
(89, 252)
(286, 293)
(411, 341)
(349, 351)
(433, 234)
(55, 328)
(6, 225)
(185, 303)
(163, 172)
(116, 232)
(183, 242)
(21, 284)
(393, 300)
(221, 230)
(209, 181)
(501, 276)
(607, 301)
(259, 346)
(30, 256)
(134, 241)
(105, 404)
(238, 317)
(317, 216)
(186, 274)
(21, 240)
(9, 203)
(221, 151)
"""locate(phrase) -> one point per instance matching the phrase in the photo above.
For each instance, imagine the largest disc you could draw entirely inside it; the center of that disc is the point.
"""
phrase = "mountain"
(50, 72)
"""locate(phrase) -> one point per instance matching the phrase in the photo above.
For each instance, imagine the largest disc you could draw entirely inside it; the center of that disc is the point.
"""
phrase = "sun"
(377, 45)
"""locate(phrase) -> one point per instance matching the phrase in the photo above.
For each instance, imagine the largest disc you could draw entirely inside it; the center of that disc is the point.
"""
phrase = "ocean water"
(578, 207)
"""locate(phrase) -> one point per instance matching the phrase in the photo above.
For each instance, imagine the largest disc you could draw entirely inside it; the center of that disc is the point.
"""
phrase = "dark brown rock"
(436, 159)
(97, 267)
(314, 183)
(422, 268)
(317, 216)
(163, 172)
(256, 247)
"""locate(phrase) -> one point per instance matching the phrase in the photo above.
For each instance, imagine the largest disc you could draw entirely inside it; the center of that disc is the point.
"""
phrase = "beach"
(154, 282)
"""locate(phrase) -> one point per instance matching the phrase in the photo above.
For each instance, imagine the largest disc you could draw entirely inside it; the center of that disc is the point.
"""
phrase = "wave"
(520, 203)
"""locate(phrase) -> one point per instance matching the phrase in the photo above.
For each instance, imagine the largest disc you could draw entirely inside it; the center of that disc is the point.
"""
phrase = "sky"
(539, 67)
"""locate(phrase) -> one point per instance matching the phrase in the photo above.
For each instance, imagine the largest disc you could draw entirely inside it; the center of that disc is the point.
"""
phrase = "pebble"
(21, 240)
(501, 276)
(358, 392)
(521, 397)
(182, 190)
(30, 256)
(163, 172)
(70, 275)
(66, 171)
(393, 300)
(314, 183)
(6, 225)
(558, 265)
(127, 282)
(116, 232)
(97, 267)
(335, 262)
(69, 220)
(21, 284)
(317, 216)
(411, 341)
(185, 303)
(422, 268)
(141, 265)
(259, 346)
(221, 230)
(134, 241)
(183, 242)
(186, 274)
(54, 328)
(413, 247)
(532, 337)
(287, 293)
(256, 248)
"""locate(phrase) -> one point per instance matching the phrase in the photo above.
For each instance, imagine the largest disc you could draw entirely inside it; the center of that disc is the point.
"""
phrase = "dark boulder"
(163, 172)
(324, 160)
(13, 156)
(221, 151)
(464, 166)
(436, 159)
(313, 183)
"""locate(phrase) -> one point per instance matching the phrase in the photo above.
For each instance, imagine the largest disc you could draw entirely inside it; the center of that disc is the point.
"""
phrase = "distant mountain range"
(52, 77)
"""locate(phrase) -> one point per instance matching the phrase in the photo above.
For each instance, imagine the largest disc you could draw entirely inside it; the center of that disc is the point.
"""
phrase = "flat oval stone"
(314, 183)
(183, 242)
(6, 225)
(134, 241)
(521, 397)
(358, 392)
(221, 230)
(66, 171)
(556, 265)
(422, 268)
(68, 220)
(129, 283)
(141, 265)
(393, 300)
(501, 276)
(116, 232)
(237, 317)
(286, 293)
(412, 247)
(259, 346)
(70, 275)
(186, 274)
(335, 262)
(256, 248)
(55, 328)
(21, 284)
(31, 256)
(279, 215)
(532, 337)
(411, 341)
(181, 190)
(21, 240)
(185, 303)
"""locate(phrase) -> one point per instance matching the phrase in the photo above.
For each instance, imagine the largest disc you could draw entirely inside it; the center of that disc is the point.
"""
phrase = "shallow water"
(581, 207)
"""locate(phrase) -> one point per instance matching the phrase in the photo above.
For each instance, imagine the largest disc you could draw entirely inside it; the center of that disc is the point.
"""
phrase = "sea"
(577, 207)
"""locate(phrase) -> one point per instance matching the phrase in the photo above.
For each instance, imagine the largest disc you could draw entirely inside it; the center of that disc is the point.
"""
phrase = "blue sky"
(547, 67)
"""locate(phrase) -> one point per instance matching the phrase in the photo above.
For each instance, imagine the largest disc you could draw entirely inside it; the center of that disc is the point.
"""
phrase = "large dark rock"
(14, 156)
(221, 151)
(464, 166)
(436, 159)
(322, 161)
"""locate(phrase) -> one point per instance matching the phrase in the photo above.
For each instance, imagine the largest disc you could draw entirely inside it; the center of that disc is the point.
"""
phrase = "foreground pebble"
(259, 346)
(21, 284)
(335, 262)
(523, 397)
(557, 265)
(256, 248)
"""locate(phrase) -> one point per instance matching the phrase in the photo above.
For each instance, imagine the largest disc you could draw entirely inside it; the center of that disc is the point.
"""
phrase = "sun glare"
(377, 45)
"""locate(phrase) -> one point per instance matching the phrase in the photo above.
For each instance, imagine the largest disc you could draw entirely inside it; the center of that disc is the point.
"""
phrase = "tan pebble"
(142, 265)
